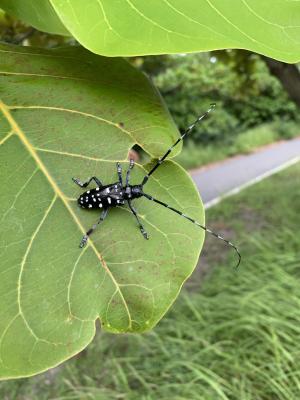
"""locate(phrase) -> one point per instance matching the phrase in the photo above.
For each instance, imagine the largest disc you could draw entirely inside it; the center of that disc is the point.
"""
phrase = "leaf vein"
(241, 31)
(154, 23)
(80, 113)
(71, 279)
(19, 284)
(2, 141)
(4, 333)
(19, 193)
(64, 153)
(193, 20)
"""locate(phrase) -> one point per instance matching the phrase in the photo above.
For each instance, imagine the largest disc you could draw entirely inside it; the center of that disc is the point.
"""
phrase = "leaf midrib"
(18, 131)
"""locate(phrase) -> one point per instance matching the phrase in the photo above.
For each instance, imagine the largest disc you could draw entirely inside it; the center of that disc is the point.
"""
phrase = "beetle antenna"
(186, 132)
(197, 223)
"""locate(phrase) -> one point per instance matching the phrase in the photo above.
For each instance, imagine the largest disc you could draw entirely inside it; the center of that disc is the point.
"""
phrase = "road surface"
(232, 175)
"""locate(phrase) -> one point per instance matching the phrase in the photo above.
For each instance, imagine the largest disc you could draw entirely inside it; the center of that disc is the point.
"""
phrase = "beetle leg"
(85, 184)
(119, 170)
(91, 230)
(142, 229)
(131, 165)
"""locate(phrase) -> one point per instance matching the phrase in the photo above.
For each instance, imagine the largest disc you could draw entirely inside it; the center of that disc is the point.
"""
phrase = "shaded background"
(230, 335)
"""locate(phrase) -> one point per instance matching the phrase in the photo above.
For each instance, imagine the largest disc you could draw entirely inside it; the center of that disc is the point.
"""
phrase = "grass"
(193, 156)
(233, 335)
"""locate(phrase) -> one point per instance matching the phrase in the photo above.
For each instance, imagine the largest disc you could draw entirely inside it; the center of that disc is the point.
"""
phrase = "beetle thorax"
(133, 191)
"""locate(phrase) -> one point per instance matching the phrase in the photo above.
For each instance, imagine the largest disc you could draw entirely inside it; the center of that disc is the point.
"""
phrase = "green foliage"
(70, 113)
(287, 129)
(235, 339)
(131, 27)
(245, 92)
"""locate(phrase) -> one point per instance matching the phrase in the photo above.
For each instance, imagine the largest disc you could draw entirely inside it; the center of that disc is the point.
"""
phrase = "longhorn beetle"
(116, 194)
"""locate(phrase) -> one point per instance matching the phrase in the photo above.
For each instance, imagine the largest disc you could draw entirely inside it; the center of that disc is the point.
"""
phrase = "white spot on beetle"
(88, 192)
(100, 205)
(90, 206)
(94, 200)
(97, 188)
(109, 200)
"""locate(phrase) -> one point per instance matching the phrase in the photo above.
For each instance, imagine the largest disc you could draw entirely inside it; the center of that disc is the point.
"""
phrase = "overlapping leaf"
(135, 27)
(39, 14)
(70, 113)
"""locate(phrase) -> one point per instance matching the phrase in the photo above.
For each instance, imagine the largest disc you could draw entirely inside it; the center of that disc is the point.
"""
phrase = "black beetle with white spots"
(103, 197)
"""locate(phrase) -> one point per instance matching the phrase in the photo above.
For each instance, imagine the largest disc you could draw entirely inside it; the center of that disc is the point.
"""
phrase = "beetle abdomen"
(99, 198)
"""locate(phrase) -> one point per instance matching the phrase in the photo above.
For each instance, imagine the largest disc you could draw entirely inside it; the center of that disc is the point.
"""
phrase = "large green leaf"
(136, 27)
(70, 113)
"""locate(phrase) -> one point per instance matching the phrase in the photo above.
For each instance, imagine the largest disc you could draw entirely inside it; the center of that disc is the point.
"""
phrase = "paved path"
(230, 176)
